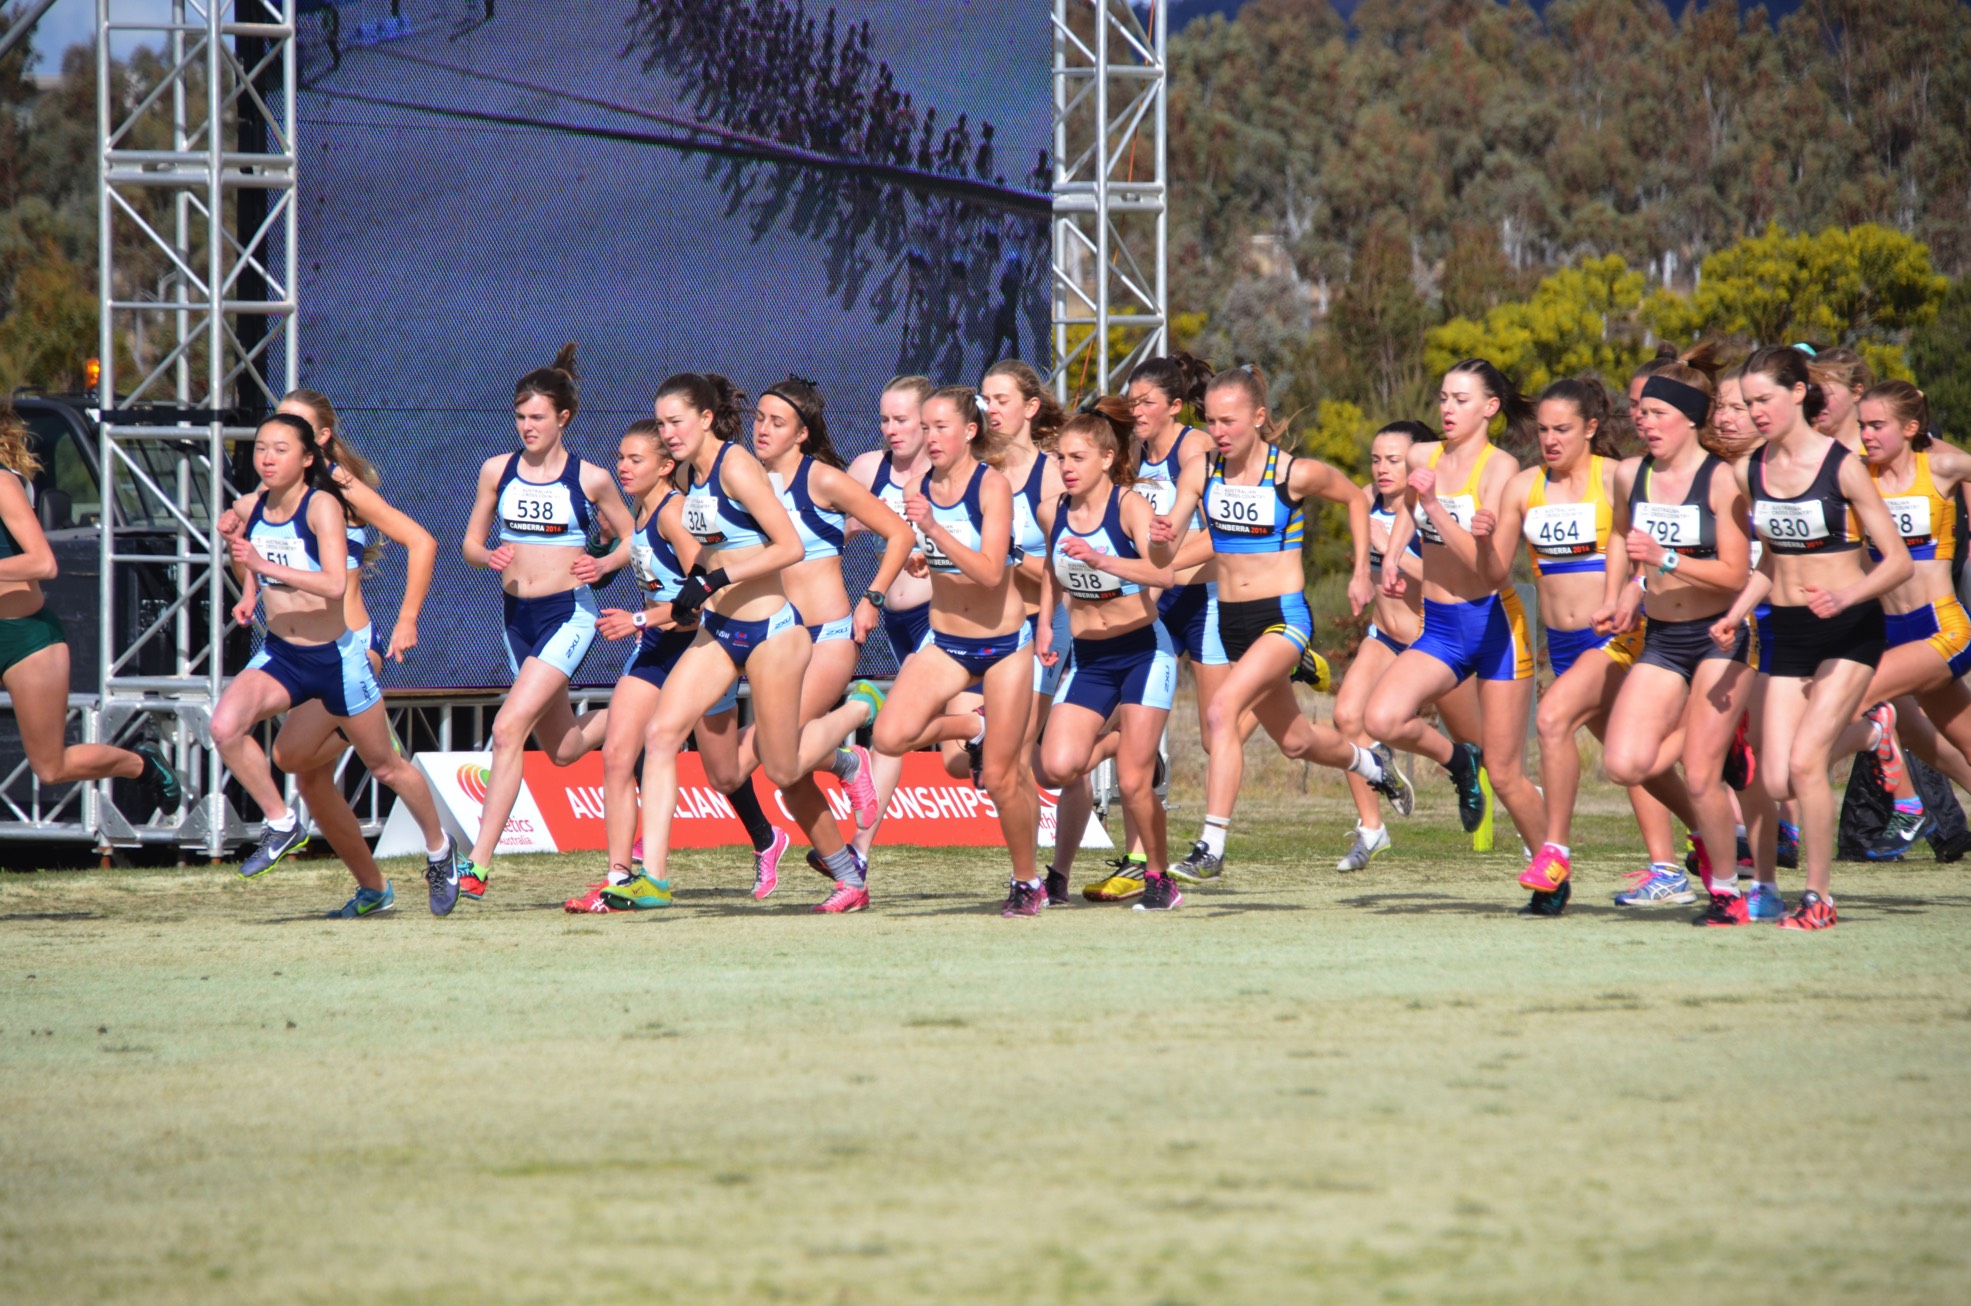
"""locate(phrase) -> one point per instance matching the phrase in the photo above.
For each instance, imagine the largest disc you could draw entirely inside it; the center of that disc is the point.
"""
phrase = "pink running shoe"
(845, 899)
(1548, 870)
(766, 866)
(589, 902)
(1886, 756)
(636, 852)
(862, 789)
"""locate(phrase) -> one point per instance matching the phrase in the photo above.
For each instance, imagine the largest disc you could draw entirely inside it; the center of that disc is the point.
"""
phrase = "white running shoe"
(1367, 844)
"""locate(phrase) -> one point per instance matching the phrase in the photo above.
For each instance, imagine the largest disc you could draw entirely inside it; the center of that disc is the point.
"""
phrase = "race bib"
(1756, 550)
(1083, 581)
(1461, 509)
(1911, 516)
(282, 551)
(934, 557)
(1242, 509)
(1561, 530)
(643, 564)
(1800, 525)
(1672, 525)
(701, 518)
(1161, 493)
(536, 510)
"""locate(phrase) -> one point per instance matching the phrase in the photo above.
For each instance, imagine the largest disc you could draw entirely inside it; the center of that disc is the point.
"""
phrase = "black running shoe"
(167, 790)
(1160, 777)
(1160, 893)
(1393, 785)
(1544, 903)
(1057, 887)
(1471, 797)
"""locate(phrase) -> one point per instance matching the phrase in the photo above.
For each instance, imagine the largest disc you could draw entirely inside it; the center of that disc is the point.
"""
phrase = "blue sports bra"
(715, 518)
(1386, 518)
(290, 543)
(1027, 535)
(821, 529)
(1253, 518)
(1080, 580)
(653, 561)
(1156, 479)
(555, 512)
(962, 520)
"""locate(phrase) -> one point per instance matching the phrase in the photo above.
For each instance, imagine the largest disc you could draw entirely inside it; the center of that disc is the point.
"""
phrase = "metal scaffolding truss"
(1111, 224)
(198, 276)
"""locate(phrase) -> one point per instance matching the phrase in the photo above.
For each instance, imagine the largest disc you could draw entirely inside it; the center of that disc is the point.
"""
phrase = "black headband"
(1686, 399)
(800, 410)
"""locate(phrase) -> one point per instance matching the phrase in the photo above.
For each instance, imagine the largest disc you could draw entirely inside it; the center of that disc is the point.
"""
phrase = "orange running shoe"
(1547, 871)
(1813, 913)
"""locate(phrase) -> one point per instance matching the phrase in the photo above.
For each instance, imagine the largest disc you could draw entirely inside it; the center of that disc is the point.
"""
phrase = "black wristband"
(874, 598)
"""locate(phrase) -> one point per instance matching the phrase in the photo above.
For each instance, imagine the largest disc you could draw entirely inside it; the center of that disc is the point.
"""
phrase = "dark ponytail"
(804, 397)
(709, 393)
(1522, 419)
(1179, 376)
(554, 383)
(971, 412)
(1590, 399)
(316, 471)
(1787, 366)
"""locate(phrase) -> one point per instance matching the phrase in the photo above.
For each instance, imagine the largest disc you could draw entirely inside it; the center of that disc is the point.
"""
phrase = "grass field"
(1381, 1086)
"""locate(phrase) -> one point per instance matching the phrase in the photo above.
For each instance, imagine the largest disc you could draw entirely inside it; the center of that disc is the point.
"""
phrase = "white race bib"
(934, 557)
(1461, 508)
(1561, 530)
(282, 551)
(1161, 493)
(1083, 581)
(701, 518)
(1911, 516)
(536, 509)
(1672, 525)
(643, 563)
(1242, 509)
(1790, 523)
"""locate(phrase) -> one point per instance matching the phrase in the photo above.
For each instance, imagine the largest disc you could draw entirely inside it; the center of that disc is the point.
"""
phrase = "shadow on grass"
(52, 916)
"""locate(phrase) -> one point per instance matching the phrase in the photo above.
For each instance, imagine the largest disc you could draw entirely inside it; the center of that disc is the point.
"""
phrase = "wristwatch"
(875, 598)
(640, 619)
(1669, 563)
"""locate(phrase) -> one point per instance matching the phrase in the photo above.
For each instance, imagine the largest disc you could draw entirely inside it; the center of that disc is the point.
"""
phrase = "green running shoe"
(863, 691)
(367, 902)
(640, 894)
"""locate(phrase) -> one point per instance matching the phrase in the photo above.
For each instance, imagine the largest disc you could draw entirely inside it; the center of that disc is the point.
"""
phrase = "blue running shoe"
(442, 876)
(1764, 903)
(367, 902)
(273, 846)
(1789, 846)
(1656, 886)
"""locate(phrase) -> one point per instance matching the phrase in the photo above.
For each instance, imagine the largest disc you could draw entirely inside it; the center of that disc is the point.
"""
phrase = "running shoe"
(818, 866)
(1725, 909)
(1739, 763)
(1124, 884)
(1764, 903)
(1813, 913)
(1313, 669)
(641, 894)
(1548, 870)
(865, 692)
(1200, 865)
(1363, 848)
(472, 880)
(845, 898)
(636, 852)
(766, 865)
(1901, 834)
(1393, 785)
(590, 902)
(861, 788)
(1788, 853)
(1471, 798)
(1160, 893)
(1697, 861)
(367, 902)
(1545, 903)
(165, 787)
(1656, 886)
(1057, 887)
(1744, 858)
(1887, 756)
(1023, 900)
(1481, 838)
(273, 846)
(444, 879)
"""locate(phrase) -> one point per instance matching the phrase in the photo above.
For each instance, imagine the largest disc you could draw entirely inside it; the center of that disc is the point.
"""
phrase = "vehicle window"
(64, 467)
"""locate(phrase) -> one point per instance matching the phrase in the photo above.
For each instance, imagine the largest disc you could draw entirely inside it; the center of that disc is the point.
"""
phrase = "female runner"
(308, 747)
(1565, 509)
(34, 662)
(747, 541)
(1843, 377)
(1920, 678)
(1681, 520)
(1396, 623)
(1254, 498)
(1472, 623)
(1023, 418)
(1122, 661)
(790, 438)
(1812, 504)
(292, 536)
(963, 515)
(662, 555)
(543, 496)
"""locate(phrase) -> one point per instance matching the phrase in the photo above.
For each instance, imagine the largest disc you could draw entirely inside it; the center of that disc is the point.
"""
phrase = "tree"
(1579, 319)
(1377, 323)
(1940, 356)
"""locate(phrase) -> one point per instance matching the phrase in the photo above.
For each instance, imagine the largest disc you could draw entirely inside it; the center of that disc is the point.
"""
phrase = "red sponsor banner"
(928, 808)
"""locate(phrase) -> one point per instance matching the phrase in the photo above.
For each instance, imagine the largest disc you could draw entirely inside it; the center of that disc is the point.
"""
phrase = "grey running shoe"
(274, 845)
(442, 875)
(1200, 865)
(1366, 844)
(1392, 785)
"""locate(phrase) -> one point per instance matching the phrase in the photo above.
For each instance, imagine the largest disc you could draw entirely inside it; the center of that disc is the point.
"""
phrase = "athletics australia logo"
(474, 779)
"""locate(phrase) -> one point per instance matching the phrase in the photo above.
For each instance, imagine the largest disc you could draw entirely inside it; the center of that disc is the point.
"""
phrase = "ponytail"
(1788, 366)
(555, 383)
(1108, 423)
(1179, 376)
(709, 393)
(804, 397)
(1906, 404)
(1522, 420)
(315, 471)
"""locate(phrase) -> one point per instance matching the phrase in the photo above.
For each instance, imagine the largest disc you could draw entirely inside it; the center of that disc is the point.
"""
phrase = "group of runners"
(1766, 590)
